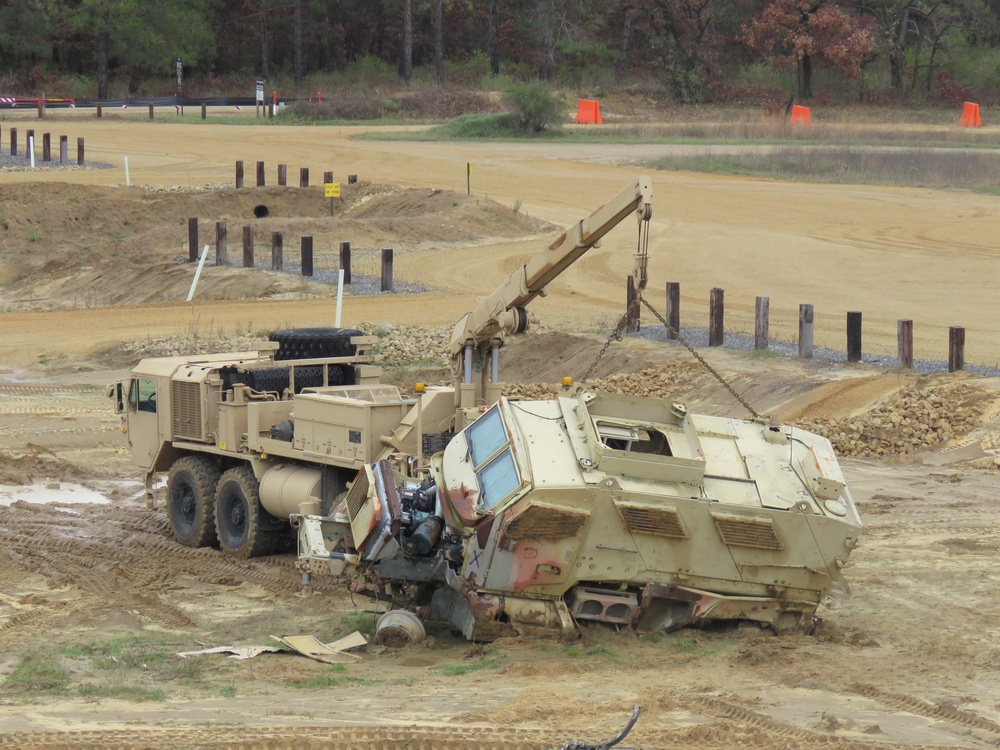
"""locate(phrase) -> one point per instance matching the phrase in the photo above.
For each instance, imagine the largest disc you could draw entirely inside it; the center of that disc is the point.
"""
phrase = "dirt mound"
(73, 245)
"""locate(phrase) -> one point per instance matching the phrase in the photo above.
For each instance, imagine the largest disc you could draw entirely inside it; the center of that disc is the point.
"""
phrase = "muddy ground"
(95, 598)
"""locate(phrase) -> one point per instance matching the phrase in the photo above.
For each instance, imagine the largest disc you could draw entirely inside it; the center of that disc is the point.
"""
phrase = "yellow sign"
(332, 190)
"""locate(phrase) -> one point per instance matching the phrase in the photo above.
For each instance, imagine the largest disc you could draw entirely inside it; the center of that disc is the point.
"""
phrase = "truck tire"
(313, 343)
(191, 500)
(238, 517)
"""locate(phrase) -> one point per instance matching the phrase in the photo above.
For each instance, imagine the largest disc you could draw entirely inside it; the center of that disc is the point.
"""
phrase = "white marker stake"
(128, 182)
(340, 295)
(31, 151)
(197, 274)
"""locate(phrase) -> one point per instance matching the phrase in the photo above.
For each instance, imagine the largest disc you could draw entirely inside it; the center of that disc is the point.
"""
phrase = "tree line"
(697, 50)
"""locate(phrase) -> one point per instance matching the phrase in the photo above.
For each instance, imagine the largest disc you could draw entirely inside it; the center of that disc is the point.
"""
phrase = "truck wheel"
(313, 343)
(237, 516)
(191, 500)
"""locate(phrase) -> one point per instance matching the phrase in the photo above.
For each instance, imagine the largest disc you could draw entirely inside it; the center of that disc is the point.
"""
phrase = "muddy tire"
(191, 490)
(313, 343)
(238, 517)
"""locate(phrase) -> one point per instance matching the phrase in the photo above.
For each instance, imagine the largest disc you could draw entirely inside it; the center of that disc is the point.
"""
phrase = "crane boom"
(503, 312)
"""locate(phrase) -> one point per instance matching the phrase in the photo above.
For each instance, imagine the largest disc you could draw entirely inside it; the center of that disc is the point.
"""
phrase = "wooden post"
(956, 348)
(79, 151)
(260, 174)
(239, 175)
(351, 179)
(41, 108)
(307, 256)
(270, 111)
(904, 343)
(248, 246)
(46, 147)
(220, 243)
(63, 149)
(100, 111)
(807, 318)
(386, 269)
(716, 315)
(327, 178)
(277, 251)
(282, 174)
(193, 240)
(632, 320)
(150, 111)
(204, 111)
(673, 309)
(762, 322)
(345, 260)
(304, 177)
(13, 141)
(854, 336)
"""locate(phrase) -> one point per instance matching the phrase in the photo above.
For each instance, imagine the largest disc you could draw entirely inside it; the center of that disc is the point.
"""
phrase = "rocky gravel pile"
(915, 418)
(410, 345)
(672, 381)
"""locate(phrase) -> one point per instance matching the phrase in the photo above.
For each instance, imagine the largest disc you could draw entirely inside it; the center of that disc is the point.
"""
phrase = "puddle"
(64, 493)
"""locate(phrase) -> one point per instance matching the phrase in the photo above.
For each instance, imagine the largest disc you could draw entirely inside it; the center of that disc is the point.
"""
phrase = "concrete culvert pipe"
(260, 211)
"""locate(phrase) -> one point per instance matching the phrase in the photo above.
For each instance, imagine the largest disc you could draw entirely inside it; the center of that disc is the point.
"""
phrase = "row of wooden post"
(277, 252)
(283, 176)
(807, 317)
(47, 146)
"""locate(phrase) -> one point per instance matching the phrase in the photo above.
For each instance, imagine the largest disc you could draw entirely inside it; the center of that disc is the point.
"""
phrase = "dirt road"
(95, 598)
(891, 253)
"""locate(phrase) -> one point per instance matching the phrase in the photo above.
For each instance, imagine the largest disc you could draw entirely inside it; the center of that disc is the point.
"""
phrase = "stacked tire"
(314, 343)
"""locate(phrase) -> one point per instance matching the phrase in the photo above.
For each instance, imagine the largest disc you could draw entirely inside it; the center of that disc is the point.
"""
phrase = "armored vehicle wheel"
(309, 343)
(238, 516)
(191, 500)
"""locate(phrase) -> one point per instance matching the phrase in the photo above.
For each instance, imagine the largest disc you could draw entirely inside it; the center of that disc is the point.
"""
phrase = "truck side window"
(142, 395)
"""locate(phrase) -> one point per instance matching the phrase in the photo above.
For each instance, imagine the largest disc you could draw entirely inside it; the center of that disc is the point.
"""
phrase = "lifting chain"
(616, 335)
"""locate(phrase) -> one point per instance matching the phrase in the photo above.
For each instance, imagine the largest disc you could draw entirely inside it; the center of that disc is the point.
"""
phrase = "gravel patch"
(21, 163)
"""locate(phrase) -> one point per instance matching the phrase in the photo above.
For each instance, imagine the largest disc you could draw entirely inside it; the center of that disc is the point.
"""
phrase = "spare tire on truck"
(313, 343)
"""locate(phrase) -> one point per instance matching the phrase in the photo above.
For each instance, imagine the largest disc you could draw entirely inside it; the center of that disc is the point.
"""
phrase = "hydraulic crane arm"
(503, 311)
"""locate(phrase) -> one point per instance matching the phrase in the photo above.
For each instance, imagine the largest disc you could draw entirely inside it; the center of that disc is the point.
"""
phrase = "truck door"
(143, 427)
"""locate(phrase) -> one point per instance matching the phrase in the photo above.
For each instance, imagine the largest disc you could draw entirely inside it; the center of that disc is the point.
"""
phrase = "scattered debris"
(577, 745)
(329, 653)
(235, 652)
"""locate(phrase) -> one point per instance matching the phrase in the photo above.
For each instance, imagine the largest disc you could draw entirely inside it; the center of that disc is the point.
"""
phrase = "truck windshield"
(492, 458)
(486, 436)
(498, 479)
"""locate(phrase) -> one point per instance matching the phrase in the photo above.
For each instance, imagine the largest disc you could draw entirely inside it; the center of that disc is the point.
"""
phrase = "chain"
(616, 335)
(694, 353)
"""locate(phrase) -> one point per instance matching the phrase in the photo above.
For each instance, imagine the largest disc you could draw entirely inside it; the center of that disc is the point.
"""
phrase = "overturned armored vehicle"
(496, 515)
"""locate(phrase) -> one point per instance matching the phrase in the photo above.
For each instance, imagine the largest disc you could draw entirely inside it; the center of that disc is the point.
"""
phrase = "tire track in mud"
(748, 728)
(118, 557)
(288, 738)
(921, 707)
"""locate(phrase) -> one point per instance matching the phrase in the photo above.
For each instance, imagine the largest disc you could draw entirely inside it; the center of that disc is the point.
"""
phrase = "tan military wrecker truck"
(498, 516)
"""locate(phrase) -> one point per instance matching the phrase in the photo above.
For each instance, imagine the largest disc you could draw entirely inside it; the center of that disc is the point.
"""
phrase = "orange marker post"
(800, 115)
(970, 115)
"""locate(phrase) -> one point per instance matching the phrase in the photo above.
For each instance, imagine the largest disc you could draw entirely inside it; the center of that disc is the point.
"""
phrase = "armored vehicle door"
(142, 421)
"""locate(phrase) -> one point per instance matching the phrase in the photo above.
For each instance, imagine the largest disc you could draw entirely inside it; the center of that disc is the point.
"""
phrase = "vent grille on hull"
(358, 493)
(540, 521)
(741, 531)
(187, 422)
(645, 519)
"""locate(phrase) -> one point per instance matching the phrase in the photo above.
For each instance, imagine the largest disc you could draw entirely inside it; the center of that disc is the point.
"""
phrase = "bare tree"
(300, 49)
(439, 41)
(407, 63)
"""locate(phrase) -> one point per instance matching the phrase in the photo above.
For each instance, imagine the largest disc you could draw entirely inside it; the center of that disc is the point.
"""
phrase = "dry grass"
(914, 167)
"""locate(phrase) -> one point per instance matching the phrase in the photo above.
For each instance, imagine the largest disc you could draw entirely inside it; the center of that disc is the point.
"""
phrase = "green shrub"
(536, 106)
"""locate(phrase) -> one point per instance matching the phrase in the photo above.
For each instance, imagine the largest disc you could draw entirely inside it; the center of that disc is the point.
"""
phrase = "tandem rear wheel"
(244, 528)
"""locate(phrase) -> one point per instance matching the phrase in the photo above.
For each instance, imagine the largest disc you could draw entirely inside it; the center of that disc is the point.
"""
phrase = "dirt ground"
(95, 597)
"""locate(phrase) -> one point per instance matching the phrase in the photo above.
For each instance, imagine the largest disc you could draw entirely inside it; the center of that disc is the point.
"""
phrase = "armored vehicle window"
(142, 395)
(498, 479)
(486, 436)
